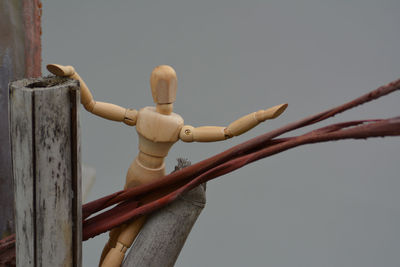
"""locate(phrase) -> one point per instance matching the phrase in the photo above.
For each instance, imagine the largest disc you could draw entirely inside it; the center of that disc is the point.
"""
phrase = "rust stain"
(7, 251)
(32, 14)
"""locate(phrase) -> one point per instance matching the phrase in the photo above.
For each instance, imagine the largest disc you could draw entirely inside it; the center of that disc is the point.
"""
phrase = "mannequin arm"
(102, 109)
(214, 133)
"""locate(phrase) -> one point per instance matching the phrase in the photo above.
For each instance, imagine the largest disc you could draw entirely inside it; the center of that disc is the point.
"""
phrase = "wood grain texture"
(161, 239)
(23, 168)
(20, 56)
(46, 163)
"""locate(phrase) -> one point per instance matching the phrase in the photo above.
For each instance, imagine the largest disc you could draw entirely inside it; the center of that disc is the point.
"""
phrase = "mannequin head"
(163, 84)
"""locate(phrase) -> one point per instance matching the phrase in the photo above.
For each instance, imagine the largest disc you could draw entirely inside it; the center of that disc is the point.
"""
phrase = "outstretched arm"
(242, 125)
(102, 109)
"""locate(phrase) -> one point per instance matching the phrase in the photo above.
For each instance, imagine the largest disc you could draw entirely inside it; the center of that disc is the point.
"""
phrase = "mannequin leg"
(127, 235)
(112, 241)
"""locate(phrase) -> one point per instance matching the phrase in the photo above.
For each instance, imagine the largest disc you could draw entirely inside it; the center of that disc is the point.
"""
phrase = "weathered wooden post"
(162, 237)
(44, 126)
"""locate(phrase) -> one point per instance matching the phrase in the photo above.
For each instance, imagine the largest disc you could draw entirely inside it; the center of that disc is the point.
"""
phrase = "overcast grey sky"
(333, 204)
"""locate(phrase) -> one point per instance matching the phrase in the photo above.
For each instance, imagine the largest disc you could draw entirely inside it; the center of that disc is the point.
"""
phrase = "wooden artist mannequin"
(158, 129)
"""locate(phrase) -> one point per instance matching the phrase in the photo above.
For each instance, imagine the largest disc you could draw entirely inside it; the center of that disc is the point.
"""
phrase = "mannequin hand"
(60, 70)
(270, 113)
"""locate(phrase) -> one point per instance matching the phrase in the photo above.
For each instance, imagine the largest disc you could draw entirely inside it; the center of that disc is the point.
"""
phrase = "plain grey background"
(334, 204)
